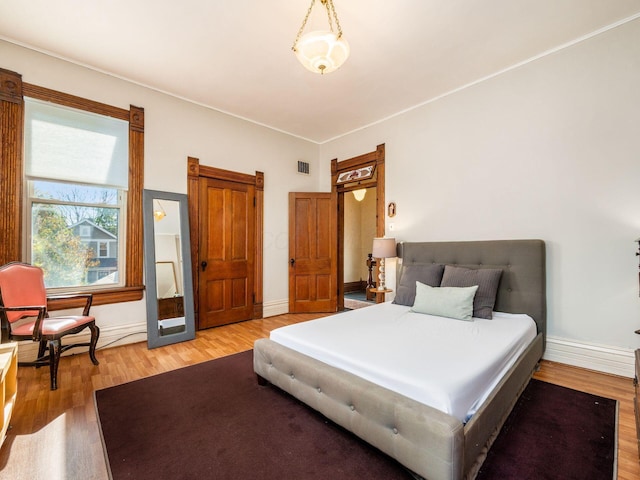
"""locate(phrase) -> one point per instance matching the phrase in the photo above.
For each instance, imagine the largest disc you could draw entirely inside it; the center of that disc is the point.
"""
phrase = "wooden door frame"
(196, 172)
(376, 158)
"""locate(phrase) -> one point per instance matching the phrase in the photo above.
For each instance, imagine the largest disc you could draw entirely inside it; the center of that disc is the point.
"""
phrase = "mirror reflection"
(169, 297)
(169, 286)
(167, 283)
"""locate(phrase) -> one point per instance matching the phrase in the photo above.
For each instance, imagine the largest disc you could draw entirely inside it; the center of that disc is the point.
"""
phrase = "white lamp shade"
(383, 248)
(322, 51)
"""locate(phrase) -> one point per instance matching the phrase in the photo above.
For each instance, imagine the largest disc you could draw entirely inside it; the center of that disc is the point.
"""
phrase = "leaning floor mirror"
(167, 258)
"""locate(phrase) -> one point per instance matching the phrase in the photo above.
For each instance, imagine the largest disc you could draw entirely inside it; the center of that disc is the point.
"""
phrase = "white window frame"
(122, 209)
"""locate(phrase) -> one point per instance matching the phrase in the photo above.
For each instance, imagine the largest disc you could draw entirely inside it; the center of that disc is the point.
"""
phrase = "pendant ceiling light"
(321, 51)
(158, 212)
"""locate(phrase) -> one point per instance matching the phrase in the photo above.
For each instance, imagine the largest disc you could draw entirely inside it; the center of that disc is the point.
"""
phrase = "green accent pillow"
(452, 302)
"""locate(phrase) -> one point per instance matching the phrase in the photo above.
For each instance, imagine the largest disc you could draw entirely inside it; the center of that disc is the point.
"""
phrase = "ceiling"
(235, 56)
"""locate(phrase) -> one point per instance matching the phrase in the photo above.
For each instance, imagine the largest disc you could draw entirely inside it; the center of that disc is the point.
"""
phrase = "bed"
(429, 442)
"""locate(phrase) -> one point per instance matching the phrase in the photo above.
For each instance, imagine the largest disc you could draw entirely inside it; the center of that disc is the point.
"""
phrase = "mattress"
(448, 364)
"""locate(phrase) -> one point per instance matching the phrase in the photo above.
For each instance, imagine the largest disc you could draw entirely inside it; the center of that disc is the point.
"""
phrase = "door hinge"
(254, 201)
(253, 297)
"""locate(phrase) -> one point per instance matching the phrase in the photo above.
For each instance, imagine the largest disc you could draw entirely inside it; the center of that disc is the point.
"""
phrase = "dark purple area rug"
(555, 433)
(213, 421)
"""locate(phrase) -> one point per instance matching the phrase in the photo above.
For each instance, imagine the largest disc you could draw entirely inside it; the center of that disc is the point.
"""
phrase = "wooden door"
(313, 242)
(226, 252)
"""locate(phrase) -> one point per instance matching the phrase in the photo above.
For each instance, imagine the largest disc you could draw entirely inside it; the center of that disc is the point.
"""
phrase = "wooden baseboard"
(355, 286)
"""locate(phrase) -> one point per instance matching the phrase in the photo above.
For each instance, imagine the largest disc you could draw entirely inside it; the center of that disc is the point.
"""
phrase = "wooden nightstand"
(380, 293)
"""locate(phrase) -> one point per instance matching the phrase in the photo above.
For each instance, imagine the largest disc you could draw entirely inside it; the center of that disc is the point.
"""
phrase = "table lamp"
(383, 248)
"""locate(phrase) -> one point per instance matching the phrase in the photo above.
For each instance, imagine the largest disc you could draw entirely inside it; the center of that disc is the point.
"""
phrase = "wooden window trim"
(12, 93)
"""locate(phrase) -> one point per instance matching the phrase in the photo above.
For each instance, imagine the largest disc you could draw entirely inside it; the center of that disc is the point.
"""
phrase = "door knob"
(204, 265)
(292, 261)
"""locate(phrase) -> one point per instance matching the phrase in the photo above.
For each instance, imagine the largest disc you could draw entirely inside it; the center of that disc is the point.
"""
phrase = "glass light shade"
(322, 51)
(158, 211)
(359, 194)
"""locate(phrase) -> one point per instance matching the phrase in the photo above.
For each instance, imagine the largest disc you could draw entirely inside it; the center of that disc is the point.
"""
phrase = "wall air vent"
(303, 167)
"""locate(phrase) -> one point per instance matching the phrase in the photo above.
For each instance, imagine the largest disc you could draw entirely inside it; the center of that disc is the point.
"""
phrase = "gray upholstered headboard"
(523, 283)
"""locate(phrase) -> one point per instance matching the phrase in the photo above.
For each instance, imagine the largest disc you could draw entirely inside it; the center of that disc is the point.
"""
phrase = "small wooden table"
(380, 293)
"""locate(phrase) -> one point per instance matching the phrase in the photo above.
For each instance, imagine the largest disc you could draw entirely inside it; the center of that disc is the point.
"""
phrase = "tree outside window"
(72, 227)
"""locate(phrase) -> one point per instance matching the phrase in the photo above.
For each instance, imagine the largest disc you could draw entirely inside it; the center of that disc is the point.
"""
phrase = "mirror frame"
(154, 339)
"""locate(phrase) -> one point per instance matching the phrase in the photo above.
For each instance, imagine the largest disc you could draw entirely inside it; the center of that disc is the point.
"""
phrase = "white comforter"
(451, 365)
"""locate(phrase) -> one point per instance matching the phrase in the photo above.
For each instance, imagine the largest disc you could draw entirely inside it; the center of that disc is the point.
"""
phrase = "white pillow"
(452, 302)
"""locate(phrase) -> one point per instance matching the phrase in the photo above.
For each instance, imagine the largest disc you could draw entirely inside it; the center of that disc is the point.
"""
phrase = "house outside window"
(76, 166)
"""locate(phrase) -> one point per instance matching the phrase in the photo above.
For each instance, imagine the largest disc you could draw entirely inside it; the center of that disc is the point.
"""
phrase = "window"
(44, 195)
(67, 222)
(76, 170)
(103, 249)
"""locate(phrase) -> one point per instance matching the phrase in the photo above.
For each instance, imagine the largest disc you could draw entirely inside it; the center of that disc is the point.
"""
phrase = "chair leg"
(54, 359)
(95, 334)
(41, 349)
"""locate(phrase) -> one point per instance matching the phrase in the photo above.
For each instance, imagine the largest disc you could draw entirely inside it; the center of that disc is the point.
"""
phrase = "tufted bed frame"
(430, 443)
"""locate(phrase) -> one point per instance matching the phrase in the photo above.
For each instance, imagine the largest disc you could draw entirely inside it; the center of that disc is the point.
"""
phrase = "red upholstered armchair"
(23, 312)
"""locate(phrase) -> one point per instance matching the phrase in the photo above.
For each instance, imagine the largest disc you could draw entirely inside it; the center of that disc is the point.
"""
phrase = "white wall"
(367, 229)
(352, 239)
(547, 150)
(174, 130)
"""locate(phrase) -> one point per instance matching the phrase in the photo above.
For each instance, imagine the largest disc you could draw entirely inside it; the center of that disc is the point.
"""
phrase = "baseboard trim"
(614, 360)
(278, 307)
(109, 337)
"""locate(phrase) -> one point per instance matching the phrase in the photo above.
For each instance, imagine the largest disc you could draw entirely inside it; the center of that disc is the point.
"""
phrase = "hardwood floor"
(55, 435)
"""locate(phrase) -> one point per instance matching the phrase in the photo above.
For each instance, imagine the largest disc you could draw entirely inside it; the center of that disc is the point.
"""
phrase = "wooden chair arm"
(72, 296)
(42, 312)
(24, 309)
